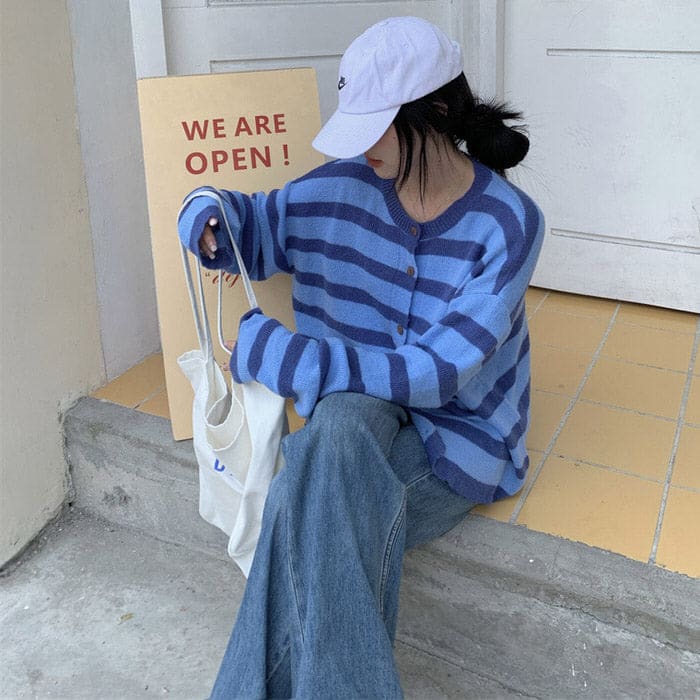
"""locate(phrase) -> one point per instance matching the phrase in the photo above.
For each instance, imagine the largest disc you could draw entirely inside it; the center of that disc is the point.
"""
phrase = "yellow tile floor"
(615, 433)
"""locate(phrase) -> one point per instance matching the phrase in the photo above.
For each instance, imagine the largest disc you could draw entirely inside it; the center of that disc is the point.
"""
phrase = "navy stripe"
(352, 214)
(271, 209)
(518, 310)
(472, 332)
(354, 333)
(346, 292)
(485, 176)
(493, 399)
(339, 168)
(524, 407)
(434, 288)
(513, 237)
(524, 402)
(258, 349)
(530, 231)
(518, 237)
(448, 379)
(398, 379)
(502, 386)
(518, 319)
(515, 328)
(434, 444)
(532, 216)
(517, 431)
(290, 361)
(473, 490)
(513, 438)
(450, 248)
(246, 237)
(419, 325)
(355, 384)
(233, 365)
(524, 348)
(520, 426)
(347, 254)
(478, 437)
(477, 270)
(521, 472)
(324, 360)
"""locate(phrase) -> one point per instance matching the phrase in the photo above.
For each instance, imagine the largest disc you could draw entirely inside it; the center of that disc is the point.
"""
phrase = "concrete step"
(489, 610)
(101, 612)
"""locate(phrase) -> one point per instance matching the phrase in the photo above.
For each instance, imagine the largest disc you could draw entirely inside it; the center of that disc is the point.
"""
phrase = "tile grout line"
(626, 409)
(539, 304)
(548, 450)
(666, 329)
(150, 396)
(674, 448)
(622, 472)
(566, 311)
(613, 358)
(615, 407)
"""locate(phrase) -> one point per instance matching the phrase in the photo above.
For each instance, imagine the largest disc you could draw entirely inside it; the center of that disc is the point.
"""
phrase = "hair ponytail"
(452, 110)
(490, 140)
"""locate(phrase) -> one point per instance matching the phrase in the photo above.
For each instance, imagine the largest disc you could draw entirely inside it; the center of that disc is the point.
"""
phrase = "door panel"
(610, 92)
(229, 35)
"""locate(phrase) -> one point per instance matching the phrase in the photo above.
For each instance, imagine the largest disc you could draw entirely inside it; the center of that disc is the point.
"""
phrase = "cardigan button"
(399, 329)
(410, 271)
(414, 230)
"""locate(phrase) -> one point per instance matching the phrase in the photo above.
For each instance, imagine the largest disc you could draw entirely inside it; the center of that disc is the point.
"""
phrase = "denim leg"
(348, 510)
(432, 507)
(319, 613)
(256, 661)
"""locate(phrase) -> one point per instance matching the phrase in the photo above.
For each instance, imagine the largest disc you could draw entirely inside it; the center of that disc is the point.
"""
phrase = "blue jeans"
(318, 616)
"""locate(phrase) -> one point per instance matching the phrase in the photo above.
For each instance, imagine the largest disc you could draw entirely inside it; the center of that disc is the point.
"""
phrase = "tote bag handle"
(199, 311)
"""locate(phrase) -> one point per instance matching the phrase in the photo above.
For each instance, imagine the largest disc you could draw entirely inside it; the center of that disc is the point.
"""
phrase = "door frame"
(148, 38)
(479, 26)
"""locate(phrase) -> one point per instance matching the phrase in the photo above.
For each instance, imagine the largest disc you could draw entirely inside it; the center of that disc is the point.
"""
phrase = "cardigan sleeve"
(258, 226)
(424, 374)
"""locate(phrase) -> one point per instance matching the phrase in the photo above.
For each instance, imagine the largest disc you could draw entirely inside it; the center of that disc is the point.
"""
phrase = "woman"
(411, 256)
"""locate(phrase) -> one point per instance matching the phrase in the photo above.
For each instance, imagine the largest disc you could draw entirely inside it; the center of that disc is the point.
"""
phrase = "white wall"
(50, 348)
(105, 85)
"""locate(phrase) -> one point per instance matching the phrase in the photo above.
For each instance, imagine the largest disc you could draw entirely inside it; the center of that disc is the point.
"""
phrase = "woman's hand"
(207, 241)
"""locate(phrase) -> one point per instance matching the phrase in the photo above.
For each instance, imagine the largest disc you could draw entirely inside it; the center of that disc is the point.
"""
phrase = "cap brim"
(347, 135)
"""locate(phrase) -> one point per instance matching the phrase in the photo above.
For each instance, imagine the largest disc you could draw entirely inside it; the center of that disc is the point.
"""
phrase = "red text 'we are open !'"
(240, 157)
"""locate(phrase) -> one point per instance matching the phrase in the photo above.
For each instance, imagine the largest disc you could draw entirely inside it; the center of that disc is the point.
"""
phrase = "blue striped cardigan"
(430, 316)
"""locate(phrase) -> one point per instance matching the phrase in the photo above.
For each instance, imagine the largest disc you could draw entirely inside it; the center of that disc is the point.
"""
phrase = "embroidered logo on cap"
(341, 83)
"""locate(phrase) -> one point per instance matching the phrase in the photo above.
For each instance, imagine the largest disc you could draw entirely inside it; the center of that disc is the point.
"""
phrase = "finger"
(207, 243)
(229, 344)
(210, 240)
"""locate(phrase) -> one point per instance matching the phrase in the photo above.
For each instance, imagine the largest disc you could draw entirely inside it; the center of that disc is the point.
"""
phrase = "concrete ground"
(130, 595)
(93, 610)
(96, 611)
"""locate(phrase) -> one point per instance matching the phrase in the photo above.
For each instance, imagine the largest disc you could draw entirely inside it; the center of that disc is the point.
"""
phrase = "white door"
(212, 36)
(611, 90)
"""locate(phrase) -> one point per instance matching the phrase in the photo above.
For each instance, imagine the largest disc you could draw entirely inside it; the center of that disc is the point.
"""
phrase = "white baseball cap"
(395, 61)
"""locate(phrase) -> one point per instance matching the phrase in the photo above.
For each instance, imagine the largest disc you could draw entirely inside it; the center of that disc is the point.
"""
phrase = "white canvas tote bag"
(237, 428)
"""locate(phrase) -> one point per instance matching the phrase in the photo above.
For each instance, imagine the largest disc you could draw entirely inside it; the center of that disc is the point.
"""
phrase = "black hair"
(453, 110)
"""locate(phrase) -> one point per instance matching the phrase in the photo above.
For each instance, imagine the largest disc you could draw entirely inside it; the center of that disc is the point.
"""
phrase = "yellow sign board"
(249, 132)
